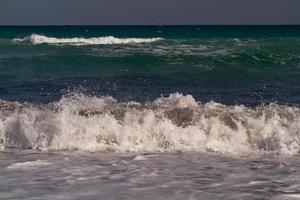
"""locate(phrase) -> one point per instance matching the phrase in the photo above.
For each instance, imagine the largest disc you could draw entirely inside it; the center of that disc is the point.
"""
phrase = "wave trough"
(79, 41)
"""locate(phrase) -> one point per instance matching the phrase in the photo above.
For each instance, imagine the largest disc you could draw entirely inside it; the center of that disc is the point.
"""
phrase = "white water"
(40, 39)
(194, 176)
(175, 123)
(28, 165)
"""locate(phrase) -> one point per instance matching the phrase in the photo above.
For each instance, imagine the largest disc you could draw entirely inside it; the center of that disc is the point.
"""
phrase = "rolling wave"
(78, 41)
(167, 124)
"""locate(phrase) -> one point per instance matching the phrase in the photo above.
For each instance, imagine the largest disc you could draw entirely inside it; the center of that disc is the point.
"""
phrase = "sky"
(148, 12)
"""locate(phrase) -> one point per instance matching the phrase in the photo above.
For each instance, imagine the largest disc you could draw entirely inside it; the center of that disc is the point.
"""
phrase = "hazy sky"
(122, 12)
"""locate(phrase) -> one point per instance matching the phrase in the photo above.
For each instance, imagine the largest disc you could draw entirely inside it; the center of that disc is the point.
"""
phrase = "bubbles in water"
(167, 124)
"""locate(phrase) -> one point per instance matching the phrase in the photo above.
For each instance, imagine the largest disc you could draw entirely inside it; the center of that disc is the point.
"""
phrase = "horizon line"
(28, 25)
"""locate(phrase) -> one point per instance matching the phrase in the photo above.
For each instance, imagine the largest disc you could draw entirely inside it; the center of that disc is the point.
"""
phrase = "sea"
(150, 112)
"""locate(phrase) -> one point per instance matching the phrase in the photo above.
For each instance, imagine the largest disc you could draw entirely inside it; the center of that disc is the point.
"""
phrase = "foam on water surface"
(28, 165)
(287, 197)
(151, 176)
(78, 41)
(167, 124)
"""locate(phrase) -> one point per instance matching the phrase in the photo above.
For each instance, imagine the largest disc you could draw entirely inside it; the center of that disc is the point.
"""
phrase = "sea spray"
(167, 124)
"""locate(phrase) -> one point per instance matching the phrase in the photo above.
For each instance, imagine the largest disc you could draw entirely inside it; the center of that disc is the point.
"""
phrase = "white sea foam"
(40, 39)
(139, 158)
(28, 165)
(287, 197)
(168, 124)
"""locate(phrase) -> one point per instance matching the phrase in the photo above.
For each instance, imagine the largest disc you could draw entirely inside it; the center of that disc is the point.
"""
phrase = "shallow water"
(71, 175)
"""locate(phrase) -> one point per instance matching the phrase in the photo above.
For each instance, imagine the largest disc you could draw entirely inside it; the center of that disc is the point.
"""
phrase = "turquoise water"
(232, 65)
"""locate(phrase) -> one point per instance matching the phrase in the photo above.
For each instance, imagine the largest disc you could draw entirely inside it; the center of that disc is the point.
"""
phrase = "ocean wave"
(167, 124)
(78, 41)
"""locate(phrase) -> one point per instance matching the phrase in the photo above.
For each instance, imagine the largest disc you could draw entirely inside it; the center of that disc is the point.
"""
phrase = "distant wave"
(40, 39)
(167, 124)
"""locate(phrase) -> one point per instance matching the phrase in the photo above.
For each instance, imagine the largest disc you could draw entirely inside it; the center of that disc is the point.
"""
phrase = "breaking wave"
(167, 124)
(78, 41)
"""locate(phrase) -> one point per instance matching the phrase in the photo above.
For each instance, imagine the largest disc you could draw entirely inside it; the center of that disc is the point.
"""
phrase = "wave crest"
(168, 124)
(78, 41)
